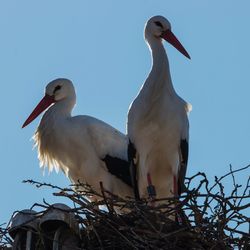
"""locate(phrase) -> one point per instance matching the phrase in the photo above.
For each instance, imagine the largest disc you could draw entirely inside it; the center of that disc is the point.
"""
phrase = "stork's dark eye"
(159, 24)
(58, 87)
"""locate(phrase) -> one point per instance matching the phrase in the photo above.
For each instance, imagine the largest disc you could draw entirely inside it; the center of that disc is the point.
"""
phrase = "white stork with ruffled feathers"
(85, 148)
(158, 127)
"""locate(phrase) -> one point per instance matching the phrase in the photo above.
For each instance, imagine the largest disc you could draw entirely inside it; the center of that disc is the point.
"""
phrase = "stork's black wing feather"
(131, 157)
(119, 168)
(183, 167)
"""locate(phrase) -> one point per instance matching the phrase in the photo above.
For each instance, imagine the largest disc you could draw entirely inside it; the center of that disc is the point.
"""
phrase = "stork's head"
(158, 28)
(56, 91)
(60, 89)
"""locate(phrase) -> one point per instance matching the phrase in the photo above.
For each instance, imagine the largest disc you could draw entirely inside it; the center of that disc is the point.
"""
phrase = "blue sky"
(99, 46)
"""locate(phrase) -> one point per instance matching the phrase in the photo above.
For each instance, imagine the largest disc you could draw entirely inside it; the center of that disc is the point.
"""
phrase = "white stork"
(158, 125)
(84, 148)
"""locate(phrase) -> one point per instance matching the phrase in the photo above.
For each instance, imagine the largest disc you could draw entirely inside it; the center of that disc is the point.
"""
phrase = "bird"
(85, 148)
(157, 123)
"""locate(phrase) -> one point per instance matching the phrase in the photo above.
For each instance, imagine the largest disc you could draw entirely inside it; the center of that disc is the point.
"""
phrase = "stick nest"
(204, 217)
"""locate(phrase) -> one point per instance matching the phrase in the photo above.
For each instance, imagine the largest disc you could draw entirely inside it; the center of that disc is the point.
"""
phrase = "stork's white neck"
(64, 107)
(60, 110)
(159, 80)
(51, 132)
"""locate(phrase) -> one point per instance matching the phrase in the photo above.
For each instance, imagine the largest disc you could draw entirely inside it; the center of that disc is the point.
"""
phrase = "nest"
(204, 217)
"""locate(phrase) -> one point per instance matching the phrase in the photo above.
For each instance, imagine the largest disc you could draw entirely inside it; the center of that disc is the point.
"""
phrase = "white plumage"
(85, 148)
(158, 125)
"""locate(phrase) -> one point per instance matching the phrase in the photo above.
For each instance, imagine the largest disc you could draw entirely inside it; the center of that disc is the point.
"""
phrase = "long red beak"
(41, 106)
(171, 38)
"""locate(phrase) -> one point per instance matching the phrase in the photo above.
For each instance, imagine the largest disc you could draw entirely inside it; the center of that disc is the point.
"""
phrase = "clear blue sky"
(99, 45)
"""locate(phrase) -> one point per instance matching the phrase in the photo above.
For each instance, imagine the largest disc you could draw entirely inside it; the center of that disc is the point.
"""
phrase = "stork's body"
(158, 123)
(85, 148)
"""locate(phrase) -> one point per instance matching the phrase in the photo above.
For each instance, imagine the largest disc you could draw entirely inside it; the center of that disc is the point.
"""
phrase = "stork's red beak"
(42, 105)
(171, 38)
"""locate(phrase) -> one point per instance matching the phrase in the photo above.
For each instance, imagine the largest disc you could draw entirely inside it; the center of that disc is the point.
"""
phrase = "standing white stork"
(84, 148)
(158, 125)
